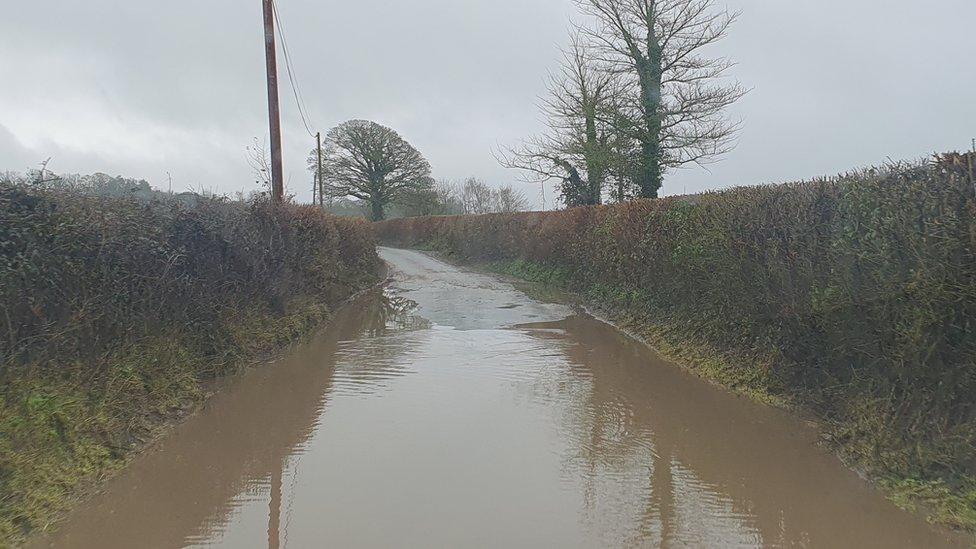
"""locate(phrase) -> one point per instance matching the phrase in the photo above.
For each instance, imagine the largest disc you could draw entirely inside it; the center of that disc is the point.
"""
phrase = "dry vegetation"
(115, 311)
(852, 297)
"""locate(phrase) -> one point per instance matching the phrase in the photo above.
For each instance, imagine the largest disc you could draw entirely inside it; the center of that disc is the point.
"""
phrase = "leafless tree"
(673, 95)
(439, 199)
(259, 160)
(578, 148)
(476, 197)
(507, 199)
(370, 162)
(45, 175)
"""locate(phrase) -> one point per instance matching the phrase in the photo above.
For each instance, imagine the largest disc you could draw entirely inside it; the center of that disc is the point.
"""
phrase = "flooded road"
(451, 410)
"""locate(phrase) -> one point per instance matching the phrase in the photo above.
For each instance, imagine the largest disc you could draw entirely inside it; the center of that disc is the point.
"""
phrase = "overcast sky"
(141, 88)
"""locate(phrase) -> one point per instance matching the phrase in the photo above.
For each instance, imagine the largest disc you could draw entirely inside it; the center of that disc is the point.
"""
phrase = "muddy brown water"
(451, 410)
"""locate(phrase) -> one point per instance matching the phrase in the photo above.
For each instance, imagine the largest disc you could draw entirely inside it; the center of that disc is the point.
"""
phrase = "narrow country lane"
(452, 410)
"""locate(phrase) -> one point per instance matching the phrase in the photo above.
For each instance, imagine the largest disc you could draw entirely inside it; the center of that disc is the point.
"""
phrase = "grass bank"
(852, 297)
(117, 312)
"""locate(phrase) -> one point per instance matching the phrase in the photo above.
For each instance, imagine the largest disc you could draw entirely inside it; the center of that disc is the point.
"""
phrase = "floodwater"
(451, 410)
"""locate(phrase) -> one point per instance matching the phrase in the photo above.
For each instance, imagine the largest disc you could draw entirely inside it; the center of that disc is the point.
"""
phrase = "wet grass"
(61, 436)
(952, 506)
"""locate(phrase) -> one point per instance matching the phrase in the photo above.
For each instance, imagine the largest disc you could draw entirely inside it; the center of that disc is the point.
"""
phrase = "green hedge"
(114, 311)
(854, 297)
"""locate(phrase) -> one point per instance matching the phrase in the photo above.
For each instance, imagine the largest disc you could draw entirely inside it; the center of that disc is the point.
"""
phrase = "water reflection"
(696, 466)
(235, 453)
(386, 312)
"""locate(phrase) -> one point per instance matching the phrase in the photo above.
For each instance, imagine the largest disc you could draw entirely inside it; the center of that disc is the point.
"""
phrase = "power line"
(292, 78)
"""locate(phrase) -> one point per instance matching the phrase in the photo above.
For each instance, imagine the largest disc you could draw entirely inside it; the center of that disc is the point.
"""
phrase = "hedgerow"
(854, 297)
(115, 311)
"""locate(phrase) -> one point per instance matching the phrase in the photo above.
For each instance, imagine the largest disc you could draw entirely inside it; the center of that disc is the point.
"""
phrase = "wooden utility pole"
(316, 186)
(318, 141)
(277, 182)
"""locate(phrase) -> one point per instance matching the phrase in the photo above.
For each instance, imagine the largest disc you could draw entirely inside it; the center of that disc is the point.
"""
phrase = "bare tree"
(508, 200)
(259, 160)
(578, 148)
(370, 162)
(673, 98)
(476, 197)
(439, 199)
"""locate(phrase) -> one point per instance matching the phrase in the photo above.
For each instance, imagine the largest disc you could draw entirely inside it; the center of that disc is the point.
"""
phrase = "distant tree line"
(369, 168)
(472, 197)
(636, 95)
(97, 183)
(108, 186)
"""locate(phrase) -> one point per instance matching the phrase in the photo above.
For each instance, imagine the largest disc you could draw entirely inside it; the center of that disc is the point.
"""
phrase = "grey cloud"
(836, 83)
(12, 153)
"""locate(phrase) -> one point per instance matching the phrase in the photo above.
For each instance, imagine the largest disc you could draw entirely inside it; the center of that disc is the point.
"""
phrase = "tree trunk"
(594, 167)
(376, 210)
(651, 171)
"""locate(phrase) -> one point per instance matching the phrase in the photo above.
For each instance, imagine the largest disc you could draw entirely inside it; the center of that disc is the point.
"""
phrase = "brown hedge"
(80, 274)
(861, 288)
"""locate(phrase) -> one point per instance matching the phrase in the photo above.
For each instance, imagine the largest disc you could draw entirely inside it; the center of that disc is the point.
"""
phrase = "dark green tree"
(372, 163)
